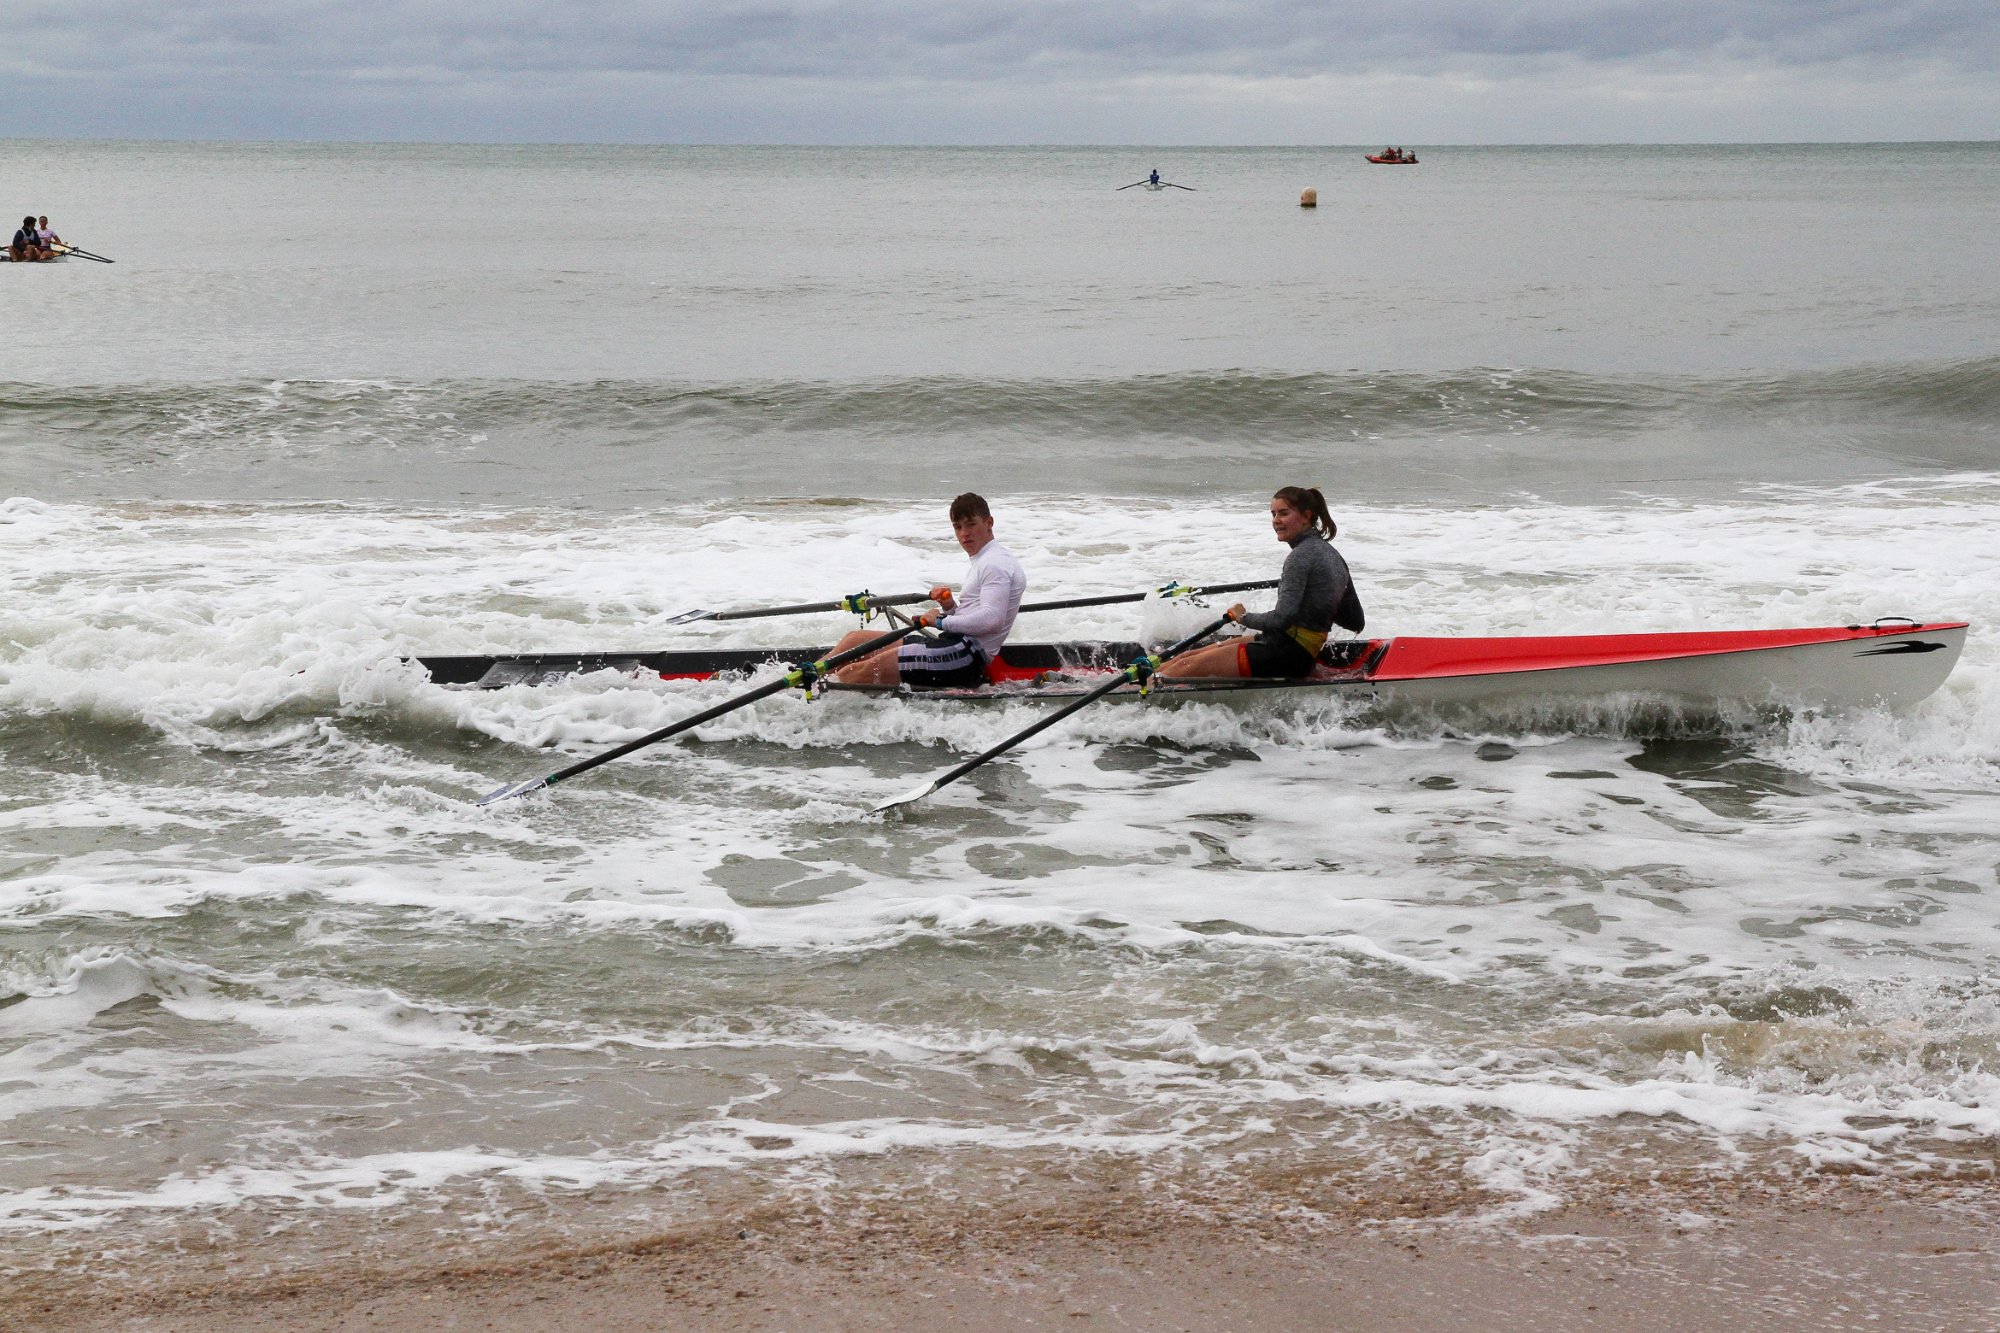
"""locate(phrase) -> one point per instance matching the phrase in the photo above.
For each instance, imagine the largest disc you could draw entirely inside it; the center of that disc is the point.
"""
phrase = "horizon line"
(984, 144)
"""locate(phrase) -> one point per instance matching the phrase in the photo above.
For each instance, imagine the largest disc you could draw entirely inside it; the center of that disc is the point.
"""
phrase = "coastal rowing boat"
(1893, 662)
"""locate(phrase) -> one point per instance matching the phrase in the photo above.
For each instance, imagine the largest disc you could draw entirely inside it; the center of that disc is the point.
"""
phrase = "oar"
(857, 602)
(1127, 187)
(1135, 673)
(1169, 590)
(800, 675)
(860, 602)
(1171, 186)
(72, 250)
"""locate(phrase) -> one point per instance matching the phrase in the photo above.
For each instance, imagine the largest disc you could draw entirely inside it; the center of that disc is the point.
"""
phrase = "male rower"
(973, 624)
(1154, 179)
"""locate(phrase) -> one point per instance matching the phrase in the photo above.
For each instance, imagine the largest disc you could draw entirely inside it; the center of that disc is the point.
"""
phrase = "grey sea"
(268, 974)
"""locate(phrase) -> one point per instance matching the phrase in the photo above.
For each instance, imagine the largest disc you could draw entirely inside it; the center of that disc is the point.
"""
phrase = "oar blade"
(686, 617)
(513, 789)
(908, 798)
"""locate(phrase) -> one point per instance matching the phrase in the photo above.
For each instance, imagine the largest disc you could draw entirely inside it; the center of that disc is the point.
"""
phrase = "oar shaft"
(652, 738)
(1112, 599)
(1035, 730)
(799, 674)
(807, 608)
(861, 601)
(1135, 673)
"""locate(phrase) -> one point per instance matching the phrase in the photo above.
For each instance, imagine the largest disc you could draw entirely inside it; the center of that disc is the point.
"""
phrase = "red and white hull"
(1761, 670)
(1888, 664)
(1810, 668)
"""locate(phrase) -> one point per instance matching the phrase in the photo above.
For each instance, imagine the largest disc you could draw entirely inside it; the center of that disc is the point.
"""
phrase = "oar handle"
(802, 674)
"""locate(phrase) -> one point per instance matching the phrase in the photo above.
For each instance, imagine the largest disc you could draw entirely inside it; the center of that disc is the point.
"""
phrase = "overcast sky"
(1004, 71)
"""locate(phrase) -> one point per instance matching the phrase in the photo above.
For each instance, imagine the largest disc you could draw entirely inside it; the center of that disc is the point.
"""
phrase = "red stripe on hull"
(1412, 658)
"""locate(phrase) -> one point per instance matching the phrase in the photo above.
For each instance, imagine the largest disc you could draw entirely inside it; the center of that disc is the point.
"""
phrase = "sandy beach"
(1837, 1253)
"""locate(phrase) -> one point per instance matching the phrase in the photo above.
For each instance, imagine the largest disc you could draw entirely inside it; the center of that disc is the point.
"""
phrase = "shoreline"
(1833, 1252)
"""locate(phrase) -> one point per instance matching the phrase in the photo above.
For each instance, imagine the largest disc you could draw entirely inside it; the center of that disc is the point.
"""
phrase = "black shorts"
(949, 659)
(1277, 655)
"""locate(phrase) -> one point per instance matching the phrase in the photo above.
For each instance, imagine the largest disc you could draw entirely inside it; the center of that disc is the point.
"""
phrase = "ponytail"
(1308, 501)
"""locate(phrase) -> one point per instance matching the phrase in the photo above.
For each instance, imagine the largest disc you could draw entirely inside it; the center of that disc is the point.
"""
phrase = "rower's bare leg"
(1218, 661)
(878, 668)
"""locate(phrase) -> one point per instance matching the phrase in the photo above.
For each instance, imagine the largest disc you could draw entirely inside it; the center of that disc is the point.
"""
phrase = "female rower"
(1314, 594)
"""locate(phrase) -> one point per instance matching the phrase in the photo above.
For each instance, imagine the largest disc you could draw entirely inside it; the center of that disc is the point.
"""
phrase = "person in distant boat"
(49, 238)
(27, 244)
(973, 624)
(1154, 179)
(1315, 593)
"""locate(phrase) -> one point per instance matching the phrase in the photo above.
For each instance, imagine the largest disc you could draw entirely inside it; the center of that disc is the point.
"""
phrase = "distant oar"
(800, 675)
(72, 250)
(1127, 187)
(858, 603)
(1170, 590)
(1135, 673)
(1171, 186)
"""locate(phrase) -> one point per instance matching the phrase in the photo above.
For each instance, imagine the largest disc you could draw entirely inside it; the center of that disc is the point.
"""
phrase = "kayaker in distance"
(1154, 179)
(27, 245)
(974, 624)
(1315, 593)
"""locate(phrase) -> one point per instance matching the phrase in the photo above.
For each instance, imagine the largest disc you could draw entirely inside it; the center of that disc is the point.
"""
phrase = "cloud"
(626, 69)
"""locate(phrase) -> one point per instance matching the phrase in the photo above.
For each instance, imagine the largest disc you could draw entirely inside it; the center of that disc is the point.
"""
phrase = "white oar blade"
(521, 788)
(685, 616)
(907, 798)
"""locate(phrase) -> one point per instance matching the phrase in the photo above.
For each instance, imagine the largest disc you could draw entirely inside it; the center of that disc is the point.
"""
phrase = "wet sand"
(1839, 1253)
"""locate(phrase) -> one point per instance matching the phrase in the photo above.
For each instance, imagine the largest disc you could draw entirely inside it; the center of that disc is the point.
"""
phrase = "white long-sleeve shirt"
(985, 607)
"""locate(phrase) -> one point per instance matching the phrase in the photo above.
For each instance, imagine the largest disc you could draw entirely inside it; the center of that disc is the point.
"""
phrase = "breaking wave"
(493, 440)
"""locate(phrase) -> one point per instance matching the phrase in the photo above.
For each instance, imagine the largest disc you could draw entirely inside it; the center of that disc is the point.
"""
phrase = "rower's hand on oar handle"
(942, 596)
(1235, 612)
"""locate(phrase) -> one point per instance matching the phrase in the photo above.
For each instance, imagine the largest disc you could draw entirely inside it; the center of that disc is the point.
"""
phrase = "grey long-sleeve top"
(1310, 587)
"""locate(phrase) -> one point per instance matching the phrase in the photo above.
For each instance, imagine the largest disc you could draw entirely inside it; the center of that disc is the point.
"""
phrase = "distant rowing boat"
(1892, 663)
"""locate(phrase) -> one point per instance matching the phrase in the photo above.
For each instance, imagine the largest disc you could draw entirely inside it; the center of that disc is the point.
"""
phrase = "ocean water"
(263, 963)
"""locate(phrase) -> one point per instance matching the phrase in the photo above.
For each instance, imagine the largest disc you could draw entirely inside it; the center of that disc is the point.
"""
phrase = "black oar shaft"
(945, 779)
(858, 602)
(801, 674)
(1136, 673)
(1173, 590)
(685, 724)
